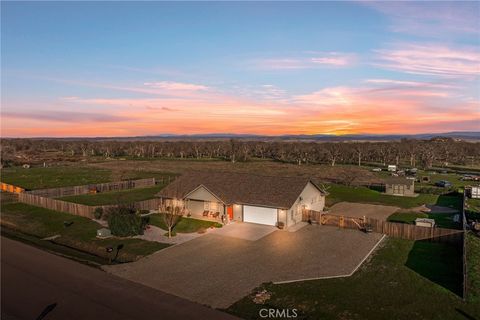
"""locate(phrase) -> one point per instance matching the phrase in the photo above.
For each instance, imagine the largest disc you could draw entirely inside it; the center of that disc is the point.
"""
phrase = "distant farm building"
(398, 186)
(425, 222)
(473, 192)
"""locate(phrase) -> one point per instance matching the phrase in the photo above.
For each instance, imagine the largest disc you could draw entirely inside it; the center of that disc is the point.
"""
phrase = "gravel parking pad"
(217, 270)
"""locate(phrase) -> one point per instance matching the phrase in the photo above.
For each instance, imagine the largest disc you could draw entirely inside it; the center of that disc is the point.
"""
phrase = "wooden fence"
(57, 205)
(100, 187)
(393, 229)
(79, 209)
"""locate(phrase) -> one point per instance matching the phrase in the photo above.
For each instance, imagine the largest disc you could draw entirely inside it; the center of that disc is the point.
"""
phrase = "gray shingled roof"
(270, 191)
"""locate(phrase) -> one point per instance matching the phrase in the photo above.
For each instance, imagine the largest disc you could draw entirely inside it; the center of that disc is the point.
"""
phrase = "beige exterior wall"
(311, 198)
(238, 212)
(282, 216)
(195, 207)
(200, 200)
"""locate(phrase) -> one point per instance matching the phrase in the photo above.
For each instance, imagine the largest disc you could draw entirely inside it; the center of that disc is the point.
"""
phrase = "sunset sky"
(128, 69)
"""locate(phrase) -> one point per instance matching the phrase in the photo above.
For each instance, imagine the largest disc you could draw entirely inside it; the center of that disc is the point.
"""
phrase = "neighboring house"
(399, 186)
(244, 197)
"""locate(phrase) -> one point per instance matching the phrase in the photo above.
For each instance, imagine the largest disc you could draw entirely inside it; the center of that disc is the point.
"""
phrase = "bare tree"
(171, 217)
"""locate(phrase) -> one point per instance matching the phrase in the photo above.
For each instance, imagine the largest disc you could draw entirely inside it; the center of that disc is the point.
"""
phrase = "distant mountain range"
(463, 135)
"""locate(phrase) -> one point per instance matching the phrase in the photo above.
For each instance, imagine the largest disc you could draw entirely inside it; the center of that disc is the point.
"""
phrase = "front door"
(230, 212)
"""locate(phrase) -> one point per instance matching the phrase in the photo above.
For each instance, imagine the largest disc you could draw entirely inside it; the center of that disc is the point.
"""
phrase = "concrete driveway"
(245, 231)
(217, 270)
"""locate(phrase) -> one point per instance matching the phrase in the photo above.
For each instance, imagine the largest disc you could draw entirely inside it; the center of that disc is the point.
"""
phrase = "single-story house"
(399, 186)
(244, 197)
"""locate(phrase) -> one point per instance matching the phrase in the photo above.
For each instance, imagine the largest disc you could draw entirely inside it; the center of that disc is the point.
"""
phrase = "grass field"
(184, 225)
(262, 167)
(115, 197)
(37, 223)
(52, 177)
(339, 193)
(472, 209)
(403, 280)
(473, 268)
(442, 220)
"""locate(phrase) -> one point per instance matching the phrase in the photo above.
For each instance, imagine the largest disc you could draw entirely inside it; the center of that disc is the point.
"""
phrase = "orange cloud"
(382, 107)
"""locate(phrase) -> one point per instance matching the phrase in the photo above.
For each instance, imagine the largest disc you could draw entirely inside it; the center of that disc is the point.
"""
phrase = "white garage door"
(260, 215)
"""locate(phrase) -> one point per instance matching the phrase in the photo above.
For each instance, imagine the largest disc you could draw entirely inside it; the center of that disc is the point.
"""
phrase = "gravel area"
(217, 271)
(358, 210)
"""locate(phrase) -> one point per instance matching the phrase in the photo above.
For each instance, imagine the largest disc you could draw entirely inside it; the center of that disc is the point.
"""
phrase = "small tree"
(171, 217)
(124, 221)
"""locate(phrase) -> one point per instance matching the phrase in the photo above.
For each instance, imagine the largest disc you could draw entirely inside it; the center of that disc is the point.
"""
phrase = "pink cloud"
(281, 63)
(334, 59)
(432, 59)
(175, 86)
(430, 18)
(317, 60)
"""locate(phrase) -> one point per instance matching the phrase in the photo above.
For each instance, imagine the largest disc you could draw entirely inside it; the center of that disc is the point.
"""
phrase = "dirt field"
(374, 211)
(320, 172)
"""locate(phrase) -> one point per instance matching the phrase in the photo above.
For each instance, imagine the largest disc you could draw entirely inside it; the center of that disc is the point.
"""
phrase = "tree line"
(408, 152)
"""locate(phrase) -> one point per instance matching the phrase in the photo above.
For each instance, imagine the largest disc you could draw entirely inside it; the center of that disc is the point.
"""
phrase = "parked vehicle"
(392, 167)
(443, 184)
(470, 177)
(377, 169)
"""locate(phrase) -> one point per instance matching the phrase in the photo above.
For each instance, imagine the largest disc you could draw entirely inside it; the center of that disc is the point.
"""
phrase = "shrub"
(123, 221)
(433, 190)
(98, 213)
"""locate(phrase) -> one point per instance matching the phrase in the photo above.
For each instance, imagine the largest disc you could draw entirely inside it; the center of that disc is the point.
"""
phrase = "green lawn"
(339, 193)
(52, 177)
(115, 197)
(403, 280)
(37, 223)
(473, 268)
(472, 209)
(442, 220)
(185, 225)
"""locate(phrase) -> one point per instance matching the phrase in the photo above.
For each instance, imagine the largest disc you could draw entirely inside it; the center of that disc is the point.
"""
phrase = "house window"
(206, 206)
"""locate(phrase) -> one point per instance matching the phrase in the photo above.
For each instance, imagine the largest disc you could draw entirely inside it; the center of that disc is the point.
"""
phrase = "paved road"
(32, 279)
